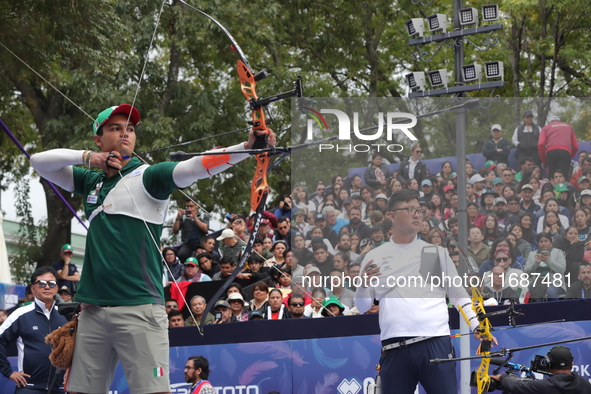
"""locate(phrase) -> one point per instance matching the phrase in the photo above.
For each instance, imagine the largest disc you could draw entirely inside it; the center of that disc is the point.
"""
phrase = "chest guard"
(129, 197)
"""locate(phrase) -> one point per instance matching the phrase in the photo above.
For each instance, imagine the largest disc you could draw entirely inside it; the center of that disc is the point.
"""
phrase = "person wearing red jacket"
(557, 145)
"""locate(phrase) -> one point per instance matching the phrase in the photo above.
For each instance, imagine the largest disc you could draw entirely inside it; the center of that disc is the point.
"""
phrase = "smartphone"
(372, 266)
(218, 316)
(544, 253)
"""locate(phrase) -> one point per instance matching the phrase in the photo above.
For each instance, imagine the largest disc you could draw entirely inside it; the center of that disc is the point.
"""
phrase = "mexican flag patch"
(159, 371)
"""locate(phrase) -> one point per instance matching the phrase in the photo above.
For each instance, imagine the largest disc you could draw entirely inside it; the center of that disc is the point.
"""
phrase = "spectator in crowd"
(209, 247)
(499, 288)
(174, 268)
(285, 206)
(435, 237)
(193, 273)
(501, 243)
(175, 319)
(427, 189)
(3, 316)
(557, 145)
(477, 249)
(547, 260)
(260, 292)
(67, 272)
(355, 243)
(227, 265)
(527, 200)
(331, 307)
(65, 293)
(322, 259)
(500, 205)
(551, 205)
(377, 174)
(344, 246)
(474, 218)
(299, 223)
(513, 211)
(299, 248)
(524, 165)
(232, 246)
(277, 249)
(526, 221)
(438, 210)
(238, 306)
(299, 197)
(206, 264)
(193, 226)
(222, 312)
(424, 230)
(525, 138)
(564, 197)
(171, 305)
(284, 231)
(198, 305)
(296, 303)
(585, 169)
(509, 179)
(412, 167)
(356, 225)
(521, 244)
(551, 224)
(356, 185)
(341, 261)
(580, 222)
(585, 199)
(486, 201)
(28, 326)
(327, 232)
(267, 246)
(505, 258)
(508, 191)
(344, 295)
(276, 310)
(317, 199)
(238, 225)
(196, 373)
(498, 186)
(234, 288)
(446, 172)
(314, 309)
(574, 250)
(496, 148)
(582, 287)
(489, 174)
(491, 229)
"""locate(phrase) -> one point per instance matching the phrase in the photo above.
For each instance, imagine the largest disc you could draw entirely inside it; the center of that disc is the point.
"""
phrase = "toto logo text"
(391, 122)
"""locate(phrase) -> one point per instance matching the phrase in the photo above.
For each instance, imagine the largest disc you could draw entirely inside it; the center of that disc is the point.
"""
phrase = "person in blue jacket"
(28, 326)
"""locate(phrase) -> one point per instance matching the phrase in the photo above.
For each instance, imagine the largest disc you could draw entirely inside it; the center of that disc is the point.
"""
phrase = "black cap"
(527, 113)
(560, 357)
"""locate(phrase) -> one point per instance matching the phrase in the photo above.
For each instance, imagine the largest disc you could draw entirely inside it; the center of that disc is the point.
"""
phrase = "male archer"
(413, 318)
(126, 204)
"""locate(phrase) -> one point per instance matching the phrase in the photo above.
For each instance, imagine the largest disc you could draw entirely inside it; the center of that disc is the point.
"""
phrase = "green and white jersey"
(122, 263)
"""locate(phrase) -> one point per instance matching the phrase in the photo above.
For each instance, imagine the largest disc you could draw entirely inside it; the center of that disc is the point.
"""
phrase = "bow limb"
(484, 328)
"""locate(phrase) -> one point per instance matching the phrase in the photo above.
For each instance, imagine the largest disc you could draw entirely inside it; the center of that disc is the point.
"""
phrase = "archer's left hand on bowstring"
(271, 138)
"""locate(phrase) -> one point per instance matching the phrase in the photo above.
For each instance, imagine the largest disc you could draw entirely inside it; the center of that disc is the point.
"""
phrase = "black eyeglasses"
(189, 368)
(43, 283)
(297, 304)
(507, 174)
(418, 151)
(503, 259)
(412, 211)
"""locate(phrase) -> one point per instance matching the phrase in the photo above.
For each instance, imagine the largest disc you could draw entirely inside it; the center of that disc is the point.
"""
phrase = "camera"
(541, 364)
(544, 253)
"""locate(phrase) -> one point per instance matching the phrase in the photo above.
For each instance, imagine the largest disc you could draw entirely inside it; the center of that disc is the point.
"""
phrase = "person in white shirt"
(413, 318)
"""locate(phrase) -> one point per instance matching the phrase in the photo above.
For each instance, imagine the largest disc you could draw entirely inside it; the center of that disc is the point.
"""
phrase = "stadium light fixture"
(472, 72)
(490, 13)
(416, 81)
(494, 70)
(415, 27)
(438, 78)
(437, 23)
(468, 17)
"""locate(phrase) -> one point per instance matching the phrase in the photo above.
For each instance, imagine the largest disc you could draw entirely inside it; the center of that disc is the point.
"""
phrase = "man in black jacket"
(31, 324)
(497, 148)
(562, 380)
(413, 167)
